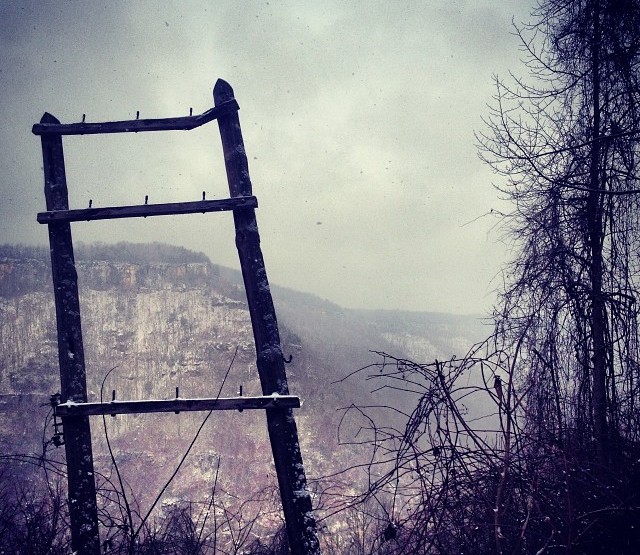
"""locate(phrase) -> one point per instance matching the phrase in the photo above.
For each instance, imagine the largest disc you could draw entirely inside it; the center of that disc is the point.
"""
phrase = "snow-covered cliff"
(152, 324)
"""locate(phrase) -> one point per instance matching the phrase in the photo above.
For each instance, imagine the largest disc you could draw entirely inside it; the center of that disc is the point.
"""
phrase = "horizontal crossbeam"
(184, 123)
(177, 405)
(145, 210)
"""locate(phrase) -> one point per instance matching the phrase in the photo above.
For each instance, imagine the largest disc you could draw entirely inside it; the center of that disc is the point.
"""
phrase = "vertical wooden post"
(283, 434)
(77, 433)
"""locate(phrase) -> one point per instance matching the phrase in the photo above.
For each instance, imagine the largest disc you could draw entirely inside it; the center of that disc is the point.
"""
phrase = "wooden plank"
(146, 210)
(283, 433)
(184, 123)
(77, 431)
(177, 405)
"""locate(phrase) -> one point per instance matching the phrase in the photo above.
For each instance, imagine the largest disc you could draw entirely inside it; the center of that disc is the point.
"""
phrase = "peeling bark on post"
(77, 433)
(283, 434)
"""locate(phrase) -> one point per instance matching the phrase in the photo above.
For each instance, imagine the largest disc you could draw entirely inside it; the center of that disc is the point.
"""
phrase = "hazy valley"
(164, 318)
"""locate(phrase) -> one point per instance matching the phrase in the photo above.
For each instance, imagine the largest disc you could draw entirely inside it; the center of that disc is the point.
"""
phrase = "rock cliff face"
(151, 326)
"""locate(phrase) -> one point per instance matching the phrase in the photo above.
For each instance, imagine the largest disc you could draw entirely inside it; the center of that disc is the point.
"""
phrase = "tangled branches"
(461, 471)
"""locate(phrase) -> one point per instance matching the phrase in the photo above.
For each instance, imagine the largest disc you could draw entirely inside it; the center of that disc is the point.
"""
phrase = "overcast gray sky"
(358, 119)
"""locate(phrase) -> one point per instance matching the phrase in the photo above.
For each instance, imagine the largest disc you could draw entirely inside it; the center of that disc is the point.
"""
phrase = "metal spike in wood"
(283, 434)
(77, 432)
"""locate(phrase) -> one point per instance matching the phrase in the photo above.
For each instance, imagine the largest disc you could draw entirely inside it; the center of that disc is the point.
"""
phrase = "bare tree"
(553, 467)
(566, 138)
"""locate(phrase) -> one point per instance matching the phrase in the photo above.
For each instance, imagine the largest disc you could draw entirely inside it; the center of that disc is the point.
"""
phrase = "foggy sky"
(358, 120)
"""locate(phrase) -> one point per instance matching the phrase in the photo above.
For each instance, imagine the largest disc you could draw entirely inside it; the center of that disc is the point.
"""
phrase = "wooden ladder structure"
(74, 410)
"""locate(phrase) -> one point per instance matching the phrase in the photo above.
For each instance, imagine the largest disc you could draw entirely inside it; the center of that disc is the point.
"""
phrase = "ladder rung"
(144, 210)
(177, 405)
(136, 125)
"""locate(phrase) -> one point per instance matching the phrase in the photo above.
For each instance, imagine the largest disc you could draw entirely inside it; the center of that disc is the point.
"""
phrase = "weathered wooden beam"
(83, 514)
(283, 433)
(146, 210)
(184, 123)
(177, 405)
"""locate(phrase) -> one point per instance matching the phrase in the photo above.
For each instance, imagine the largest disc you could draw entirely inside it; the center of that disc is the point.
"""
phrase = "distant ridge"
(163, 253)
(124, 251)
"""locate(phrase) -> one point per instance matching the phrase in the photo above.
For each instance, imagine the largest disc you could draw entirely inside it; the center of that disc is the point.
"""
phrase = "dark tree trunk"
(595, 231)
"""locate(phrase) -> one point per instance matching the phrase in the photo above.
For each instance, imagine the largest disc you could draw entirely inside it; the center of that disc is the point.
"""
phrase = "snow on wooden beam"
(71, 408)
(145, 210)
